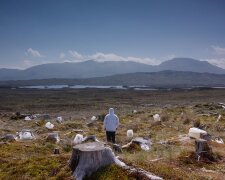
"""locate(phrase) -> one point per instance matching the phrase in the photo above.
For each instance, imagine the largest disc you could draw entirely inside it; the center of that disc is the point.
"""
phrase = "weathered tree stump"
(203, 150)
(89, 157)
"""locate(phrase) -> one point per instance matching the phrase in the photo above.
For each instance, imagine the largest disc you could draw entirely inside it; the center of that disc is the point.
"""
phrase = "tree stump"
(89, 157)
(203, 150)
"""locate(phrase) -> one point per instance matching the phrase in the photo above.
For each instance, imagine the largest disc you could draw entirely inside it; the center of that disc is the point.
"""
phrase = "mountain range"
(91, 68)
(162, 79)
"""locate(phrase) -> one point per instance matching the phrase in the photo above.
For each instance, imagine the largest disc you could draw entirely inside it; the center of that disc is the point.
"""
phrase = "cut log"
(88, 157)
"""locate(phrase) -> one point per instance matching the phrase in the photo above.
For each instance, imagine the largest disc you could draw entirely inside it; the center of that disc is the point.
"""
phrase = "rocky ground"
(171, 155)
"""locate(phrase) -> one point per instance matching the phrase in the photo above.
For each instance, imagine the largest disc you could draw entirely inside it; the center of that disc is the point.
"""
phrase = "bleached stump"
(89, 157)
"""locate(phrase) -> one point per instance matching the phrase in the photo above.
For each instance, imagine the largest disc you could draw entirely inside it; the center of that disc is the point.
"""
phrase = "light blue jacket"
(111, 121)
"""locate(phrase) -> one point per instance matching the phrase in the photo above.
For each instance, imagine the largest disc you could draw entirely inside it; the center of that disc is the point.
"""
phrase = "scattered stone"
(27, 118)
(26, 134)
(156, 117)
(59, 119)
(78, 139)
(53, 137)
(219, 140)
(134, 111)
(130, 133)
(93, 118)
(49, 125)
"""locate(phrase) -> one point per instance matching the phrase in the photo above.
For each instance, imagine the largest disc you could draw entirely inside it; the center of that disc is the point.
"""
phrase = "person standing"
(111, 123)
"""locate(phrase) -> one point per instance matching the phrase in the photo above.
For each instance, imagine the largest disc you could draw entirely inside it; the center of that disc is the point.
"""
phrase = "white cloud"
(33, 53)
(62, 55)
(218, 50)
(74, 56)
(218, 57)
(220, 62)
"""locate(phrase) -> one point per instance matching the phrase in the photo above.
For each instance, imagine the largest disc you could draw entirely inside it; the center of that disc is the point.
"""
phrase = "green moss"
(110, 172)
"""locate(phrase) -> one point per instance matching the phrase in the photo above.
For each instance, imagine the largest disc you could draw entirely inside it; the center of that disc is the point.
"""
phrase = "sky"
(34, 32)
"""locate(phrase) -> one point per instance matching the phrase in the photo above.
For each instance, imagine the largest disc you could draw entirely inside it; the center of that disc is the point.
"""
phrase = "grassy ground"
(172, 159)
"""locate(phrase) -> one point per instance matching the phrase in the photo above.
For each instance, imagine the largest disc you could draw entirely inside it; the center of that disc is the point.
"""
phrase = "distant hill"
(163, 79)
(89, 69)
(192, 65)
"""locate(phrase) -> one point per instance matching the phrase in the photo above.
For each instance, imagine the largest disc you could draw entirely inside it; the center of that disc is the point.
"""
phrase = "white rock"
(59, 119)
(27, 118)
(49, 125)
(219, 140)
(78, 139)
(130, 133)
(196, 133)
(25, 135)
(145, 147)
(156, 117)
(93, 118)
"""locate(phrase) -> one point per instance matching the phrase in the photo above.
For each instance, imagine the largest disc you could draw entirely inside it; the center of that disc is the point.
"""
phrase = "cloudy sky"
(150, 31)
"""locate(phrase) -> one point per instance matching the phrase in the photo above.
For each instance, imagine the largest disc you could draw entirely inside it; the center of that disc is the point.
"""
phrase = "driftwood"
(89, 157)
(139, 141)
(139, 173)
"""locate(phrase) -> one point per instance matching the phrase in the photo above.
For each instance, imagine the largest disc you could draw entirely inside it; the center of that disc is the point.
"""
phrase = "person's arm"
(117, 122)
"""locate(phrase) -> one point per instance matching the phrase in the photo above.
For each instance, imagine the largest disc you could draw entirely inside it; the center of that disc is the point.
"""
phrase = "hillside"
(90, 69)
